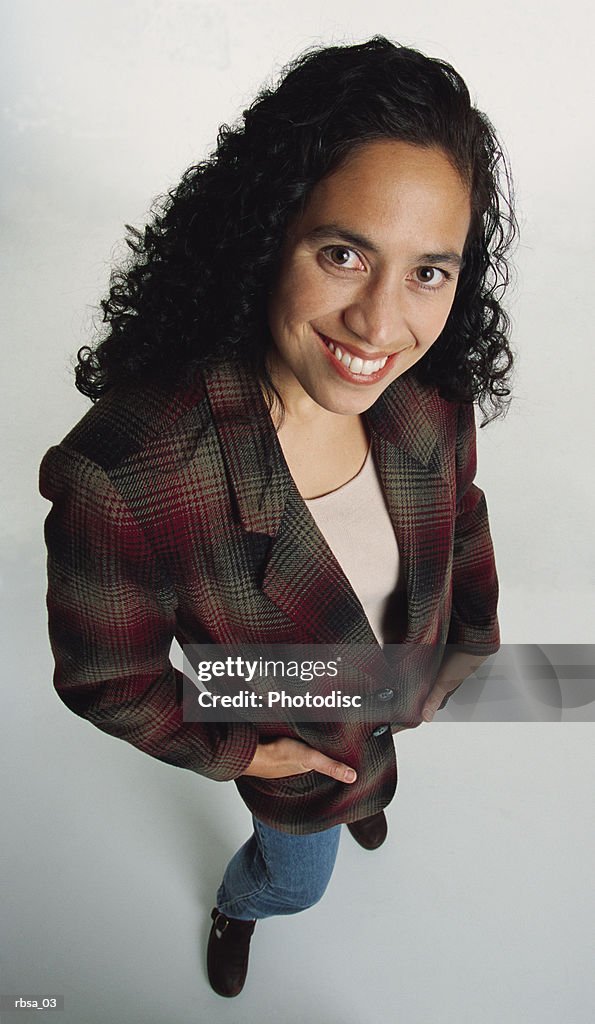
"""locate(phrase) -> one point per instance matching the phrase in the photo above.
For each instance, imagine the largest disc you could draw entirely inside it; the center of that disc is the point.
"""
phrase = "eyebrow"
(328, 231)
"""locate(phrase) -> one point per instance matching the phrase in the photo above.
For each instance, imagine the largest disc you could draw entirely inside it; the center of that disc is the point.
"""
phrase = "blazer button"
(385, 694)
(380, 730)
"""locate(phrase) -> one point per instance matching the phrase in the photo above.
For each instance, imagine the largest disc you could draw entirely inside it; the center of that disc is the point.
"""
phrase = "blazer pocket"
(305, 782)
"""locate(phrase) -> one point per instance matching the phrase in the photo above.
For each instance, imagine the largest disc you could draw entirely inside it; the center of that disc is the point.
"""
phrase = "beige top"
(355, 523)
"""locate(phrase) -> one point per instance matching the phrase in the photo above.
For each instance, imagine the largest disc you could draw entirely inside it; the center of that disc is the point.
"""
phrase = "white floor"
(479, 907)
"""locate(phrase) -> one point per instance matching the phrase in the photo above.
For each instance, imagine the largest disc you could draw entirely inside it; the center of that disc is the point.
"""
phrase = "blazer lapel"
(417, 495)
(304, 578)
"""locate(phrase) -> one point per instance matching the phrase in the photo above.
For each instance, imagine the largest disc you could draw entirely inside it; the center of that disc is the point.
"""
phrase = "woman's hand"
(292, 757)
(455, 668)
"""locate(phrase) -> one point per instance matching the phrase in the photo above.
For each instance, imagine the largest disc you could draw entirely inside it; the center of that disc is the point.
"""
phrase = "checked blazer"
(174, 514)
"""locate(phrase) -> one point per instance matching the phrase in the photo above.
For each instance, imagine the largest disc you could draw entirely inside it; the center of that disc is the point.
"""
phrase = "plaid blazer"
(174, 514)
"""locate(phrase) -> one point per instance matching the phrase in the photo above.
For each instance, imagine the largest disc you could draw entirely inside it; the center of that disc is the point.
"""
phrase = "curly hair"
(195, 288)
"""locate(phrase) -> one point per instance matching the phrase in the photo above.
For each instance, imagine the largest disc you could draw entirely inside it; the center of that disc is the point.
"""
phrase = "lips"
(355, 367)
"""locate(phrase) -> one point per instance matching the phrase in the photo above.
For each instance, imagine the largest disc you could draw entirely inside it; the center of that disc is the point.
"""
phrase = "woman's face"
(367, 276)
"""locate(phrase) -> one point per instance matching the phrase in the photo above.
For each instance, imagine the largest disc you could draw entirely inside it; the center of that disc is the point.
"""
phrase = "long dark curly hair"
(196, 284)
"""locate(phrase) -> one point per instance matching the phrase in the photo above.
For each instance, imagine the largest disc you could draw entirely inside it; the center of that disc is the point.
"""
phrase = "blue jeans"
(277, 873)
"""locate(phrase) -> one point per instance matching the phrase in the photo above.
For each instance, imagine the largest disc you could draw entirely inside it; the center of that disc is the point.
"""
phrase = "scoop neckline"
(348, 483)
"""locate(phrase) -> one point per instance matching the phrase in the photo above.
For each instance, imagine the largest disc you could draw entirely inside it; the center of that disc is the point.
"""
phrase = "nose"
(376, 315)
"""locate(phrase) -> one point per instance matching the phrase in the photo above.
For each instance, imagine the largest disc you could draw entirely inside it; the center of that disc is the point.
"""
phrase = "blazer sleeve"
(474, 623)
(111, 617)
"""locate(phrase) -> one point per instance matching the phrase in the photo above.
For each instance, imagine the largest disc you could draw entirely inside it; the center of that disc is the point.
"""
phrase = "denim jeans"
(277, 873)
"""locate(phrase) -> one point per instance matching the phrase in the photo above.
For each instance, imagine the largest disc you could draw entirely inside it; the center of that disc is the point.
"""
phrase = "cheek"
(280, 311)
(433, 319)
(303, 294)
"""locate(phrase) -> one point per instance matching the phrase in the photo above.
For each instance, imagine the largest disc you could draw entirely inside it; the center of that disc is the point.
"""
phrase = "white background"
(480, 906)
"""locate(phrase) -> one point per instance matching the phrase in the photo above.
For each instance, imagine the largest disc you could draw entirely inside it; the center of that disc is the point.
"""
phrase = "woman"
(282, 449)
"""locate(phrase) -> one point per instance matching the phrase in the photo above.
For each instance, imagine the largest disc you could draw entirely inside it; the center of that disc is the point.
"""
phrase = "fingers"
(430, 710)
(319, 762)
(455, 668)
(287, 756)
(433, 702)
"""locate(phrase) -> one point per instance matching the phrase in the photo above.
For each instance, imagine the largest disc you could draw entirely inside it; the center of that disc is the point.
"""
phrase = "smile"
(350, 366)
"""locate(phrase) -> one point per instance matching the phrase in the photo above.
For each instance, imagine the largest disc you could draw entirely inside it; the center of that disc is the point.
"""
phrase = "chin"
(348, 405)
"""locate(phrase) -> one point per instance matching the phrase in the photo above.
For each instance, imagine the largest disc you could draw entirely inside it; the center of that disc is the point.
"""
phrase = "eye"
(342, 257)
(431, 278)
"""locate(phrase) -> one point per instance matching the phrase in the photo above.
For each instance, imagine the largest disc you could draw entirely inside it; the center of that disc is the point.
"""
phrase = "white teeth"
(357, 365)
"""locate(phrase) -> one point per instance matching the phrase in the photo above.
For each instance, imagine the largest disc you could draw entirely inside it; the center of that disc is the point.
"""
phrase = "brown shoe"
(369, 832)
(227, 953)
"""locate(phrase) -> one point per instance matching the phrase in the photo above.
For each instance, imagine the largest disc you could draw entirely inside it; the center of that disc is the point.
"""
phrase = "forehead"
(389, 188)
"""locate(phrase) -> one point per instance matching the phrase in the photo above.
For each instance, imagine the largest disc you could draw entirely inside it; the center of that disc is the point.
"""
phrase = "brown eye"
(431, 277)
(340, 255)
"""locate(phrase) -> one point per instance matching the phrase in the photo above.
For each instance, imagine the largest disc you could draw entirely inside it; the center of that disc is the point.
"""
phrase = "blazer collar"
(401, 417)
(257, 472)
(256, 468)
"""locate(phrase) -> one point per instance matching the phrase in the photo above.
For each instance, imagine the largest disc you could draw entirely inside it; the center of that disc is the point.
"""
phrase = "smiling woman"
(282, 450)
